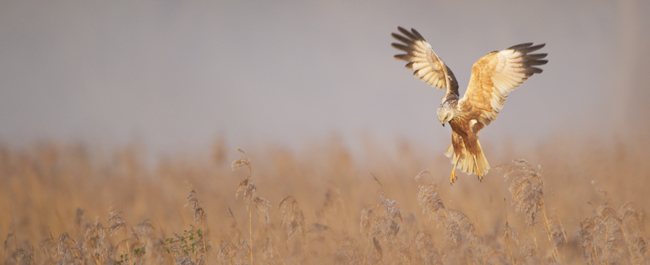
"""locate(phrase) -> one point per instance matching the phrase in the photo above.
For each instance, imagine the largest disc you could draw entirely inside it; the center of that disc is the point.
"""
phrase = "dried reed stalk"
(199, 215)
(252, 201)
(528, 198)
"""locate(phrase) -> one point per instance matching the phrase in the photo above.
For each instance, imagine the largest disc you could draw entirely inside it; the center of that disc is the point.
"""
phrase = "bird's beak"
(443, 124)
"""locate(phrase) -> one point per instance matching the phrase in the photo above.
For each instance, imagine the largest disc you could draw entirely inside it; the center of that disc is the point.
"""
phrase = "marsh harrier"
(493, 77)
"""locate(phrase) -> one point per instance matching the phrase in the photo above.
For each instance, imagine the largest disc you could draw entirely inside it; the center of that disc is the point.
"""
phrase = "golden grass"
(70, 204)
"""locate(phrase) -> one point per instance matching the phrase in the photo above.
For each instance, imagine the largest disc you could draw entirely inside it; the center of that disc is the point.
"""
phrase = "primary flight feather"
(493, 77)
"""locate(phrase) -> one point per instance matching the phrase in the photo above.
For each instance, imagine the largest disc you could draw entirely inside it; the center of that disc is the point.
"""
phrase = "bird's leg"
(453, 177)
(478, 170)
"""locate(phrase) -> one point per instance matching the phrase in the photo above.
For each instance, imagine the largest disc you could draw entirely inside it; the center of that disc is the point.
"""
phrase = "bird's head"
(446, 112)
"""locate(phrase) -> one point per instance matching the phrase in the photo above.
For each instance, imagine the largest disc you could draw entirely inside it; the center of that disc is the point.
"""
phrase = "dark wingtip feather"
(532, 48)
(535, 56)
(520, 46)
(404, 57)
(416, 33)
(533, 70)
(526, 47)
(401, 47)
(402, 38)
(406, 33)
(536, 62)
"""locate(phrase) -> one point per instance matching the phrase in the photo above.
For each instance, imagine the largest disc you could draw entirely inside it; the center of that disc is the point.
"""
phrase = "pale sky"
(175, 74)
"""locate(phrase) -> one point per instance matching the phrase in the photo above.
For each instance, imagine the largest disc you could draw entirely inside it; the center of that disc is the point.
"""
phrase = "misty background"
(176, 75)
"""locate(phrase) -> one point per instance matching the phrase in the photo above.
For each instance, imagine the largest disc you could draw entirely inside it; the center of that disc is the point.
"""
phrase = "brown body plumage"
(493, 77)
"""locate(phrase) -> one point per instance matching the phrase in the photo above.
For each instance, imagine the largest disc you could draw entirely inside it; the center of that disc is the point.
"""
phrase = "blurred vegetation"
(67, 203)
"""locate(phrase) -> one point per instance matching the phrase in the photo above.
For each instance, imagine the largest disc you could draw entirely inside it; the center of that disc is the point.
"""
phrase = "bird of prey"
(494, 76)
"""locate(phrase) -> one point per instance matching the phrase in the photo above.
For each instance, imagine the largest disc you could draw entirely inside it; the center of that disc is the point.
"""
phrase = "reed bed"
(571, 202)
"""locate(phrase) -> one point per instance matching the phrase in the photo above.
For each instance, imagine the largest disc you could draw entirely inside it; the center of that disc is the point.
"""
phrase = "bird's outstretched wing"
(498, 73)
(426, 64)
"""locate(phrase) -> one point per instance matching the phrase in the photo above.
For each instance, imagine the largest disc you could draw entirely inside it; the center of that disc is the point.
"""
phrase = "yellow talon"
(453, 177)
(478, 170)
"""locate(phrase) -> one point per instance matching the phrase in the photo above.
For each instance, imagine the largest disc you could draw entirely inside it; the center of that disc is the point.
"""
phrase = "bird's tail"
(469, 163)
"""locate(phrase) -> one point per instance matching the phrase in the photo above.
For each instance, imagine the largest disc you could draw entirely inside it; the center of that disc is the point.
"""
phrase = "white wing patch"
(508, 75)
(507, 70)
(424, 62)
(514, 66)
